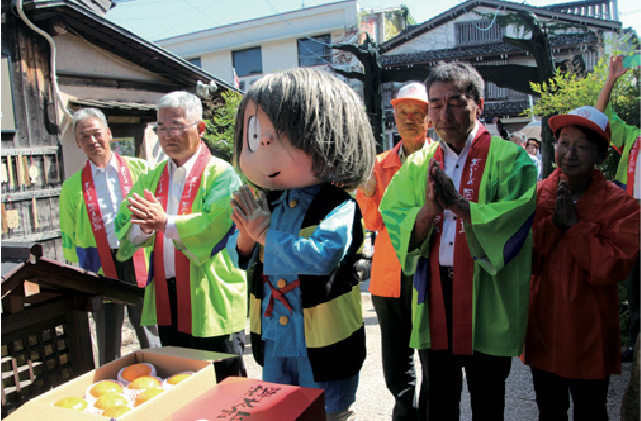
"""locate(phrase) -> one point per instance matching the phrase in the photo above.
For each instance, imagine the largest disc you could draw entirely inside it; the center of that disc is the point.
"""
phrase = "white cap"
(411, 91)
(588, 117)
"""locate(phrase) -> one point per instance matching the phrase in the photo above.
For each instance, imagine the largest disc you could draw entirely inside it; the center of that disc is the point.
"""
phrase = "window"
(478, 32)
(124, 146)
(248, 62)
(314, 51)
(195, 61)
(493, 92)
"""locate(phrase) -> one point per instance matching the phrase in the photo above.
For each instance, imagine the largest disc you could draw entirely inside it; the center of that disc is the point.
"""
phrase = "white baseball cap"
(588, 117)
(411, 91)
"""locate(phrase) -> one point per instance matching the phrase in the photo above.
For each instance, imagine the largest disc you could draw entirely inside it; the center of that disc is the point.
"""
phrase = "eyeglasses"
(563, 148)
(173, 129)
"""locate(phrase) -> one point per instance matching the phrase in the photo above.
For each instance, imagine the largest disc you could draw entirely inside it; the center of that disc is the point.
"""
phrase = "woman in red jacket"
(586, 238)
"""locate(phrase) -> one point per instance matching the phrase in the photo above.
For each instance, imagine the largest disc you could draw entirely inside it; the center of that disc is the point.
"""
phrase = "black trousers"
(109, 320)
(590, 397)
(485, 375)
(230, 344)
(395, 320)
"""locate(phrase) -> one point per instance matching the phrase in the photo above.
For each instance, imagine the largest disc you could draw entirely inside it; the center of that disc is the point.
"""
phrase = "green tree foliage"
(568, 90)
(396, 21)
(391, 30)
(219, 135)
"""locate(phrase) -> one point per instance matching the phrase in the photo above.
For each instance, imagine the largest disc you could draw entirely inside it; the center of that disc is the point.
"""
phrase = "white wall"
(257, 31)
(219, 63)
(276, 35)
(75, 56)
(110, 94)
(280, 55)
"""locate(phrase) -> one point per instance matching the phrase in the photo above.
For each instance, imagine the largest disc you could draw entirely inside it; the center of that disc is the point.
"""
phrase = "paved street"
(374, 402)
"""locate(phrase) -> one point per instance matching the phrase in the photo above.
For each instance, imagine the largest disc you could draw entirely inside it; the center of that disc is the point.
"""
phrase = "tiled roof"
(24, 262)
(466, 7)
(119, 41)
(96, 103)
(476, 50)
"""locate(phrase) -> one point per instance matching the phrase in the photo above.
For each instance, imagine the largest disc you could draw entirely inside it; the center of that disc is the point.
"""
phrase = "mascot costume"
(303, 141)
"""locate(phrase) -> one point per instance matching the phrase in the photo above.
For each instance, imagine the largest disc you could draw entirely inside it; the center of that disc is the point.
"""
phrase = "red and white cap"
(411, 91)
(588, 117)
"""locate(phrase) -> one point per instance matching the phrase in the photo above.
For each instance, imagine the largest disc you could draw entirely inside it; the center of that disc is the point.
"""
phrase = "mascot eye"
(253, 133)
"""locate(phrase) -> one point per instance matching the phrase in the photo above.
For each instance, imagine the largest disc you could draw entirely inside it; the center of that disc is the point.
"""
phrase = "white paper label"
(12, 218)
(33, 173)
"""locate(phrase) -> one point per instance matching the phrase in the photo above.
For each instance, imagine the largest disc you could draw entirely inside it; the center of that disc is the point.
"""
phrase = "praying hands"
(251, 215)
(147, 212)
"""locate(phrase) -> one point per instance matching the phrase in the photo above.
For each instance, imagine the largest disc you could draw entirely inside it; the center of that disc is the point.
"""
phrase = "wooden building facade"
(473, 32)
(58, 56)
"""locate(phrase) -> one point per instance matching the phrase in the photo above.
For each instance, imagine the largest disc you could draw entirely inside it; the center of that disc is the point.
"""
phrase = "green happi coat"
(499, 240)
(218, 289)
(623, 138)
(78, 242)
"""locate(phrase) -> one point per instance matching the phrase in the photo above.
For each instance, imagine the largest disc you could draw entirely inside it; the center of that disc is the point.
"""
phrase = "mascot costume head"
(301, 128)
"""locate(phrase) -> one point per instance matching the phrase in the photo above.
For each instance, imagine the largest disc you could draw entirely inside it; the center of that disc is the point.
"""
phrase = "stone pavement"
(374, 402)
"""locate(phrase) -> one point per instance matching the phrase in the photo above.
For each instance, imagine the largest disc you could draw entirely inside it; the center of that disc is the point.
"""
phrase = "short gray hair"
(87, 113)
(186, 101)
(464, 76)
(520, 135)
(321, 116)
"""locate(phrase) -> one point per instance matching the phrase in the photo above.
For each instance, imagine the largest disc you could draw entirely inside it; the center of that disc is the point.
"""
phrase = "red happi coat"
(573, 325)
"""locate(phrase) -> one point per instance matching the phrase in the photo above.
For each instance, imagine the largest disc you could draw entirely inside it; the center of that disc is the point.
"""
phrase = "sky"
(158, 19)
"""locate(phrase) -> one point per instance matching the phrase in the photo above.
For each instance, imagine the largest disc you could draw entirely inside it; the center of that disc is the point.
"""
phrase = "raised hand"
(616, 69)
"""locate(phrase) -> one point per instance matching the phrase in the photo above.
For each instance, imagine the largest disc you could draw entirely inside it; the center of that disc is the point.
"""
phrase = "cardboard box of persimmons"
(144, 385)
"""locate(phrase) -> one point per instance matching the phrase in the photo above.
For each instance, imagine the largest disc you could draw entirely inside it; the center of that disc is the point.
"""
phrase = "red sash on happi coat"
(181, 262)
(126, 184)
(97, 225)
(632, 166)
(463, 262)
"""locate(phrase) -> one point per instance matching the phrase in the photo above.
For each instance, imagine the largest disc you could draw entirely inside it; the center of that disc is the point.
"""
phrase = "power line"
(178, 22)
(199, 12)
(473, 22)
